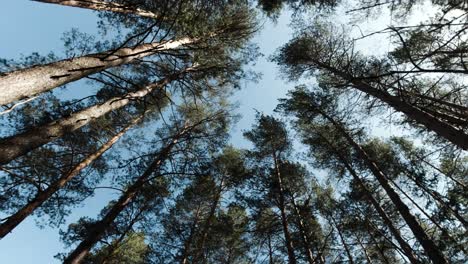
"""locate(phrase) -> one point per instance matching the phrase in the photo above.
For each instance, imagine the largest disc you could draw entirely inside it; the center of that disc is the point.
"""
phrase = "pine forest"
(234, 131)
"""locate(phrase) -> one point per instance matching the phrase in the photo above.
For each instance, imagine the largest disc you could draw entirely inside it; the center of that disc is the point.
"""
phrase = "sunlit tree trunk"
(18, 145)
(77, 255)
(42, 196)
(103, 6)
(38, 79)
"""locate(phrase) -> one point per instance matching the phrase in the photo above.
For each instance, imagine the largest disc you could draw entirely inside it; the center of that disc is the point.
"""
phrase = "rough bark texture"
(15, 219)
(431, 249)
(28, 82)
(18, 145)
(77, 255)
(103, 6)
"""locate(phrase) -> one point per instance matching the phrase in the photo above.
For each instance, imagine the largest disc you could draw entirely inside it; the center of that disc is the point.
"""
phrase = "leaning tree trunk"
(18, 145)
(386, 219)
(77, 255)
(450, 133)
(431, 249)
(284, 220)
(103, 6)
(38, 79)
(42, 196)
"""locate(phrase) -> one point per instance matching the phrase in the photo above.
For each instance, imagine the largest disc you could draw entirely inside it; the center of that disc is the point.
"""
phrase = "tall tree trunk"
(42, 196)
(368, 258)
(18, 145)
(270, 250)
(206, 226)
(38, 79)
(189, 241)
(284, 220)
(386, 219)
(456, 136)
(343, 241)
(305, 239)
(436, 196)
(77, 255)
(100, 5)
(431, 249)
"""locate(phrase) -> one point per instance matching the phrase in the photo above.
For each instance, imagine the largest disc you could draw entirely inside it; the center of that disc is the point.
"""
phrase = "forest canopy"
(145, 109)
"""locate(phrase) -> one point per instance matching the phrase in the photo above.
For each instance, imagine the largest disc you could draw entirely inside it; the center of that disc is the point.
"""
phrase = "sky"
(27, 26)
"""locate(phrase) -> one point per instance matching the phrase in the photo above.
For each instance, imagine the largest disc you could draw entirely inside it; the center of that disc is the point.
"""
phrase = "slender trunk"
(456, 136)
(15, 219)
(436, 196)
(270, 250)
(284, 220)
(305, 239)
(431, 249)
(100, 5)
(386, 219)
(18, 145)
(343, 241)
(207, 224)
(38, 79)
(188, 242)
(379, 249)
(77, 255)
(364, 250)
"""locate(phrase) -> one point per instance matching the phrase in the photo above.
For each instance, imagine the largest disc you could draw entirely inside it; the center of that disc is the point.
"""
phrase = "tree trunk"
(99, 5)
(42, 196)
(207, 224)
(305, 238)
(343, 241)
(368, 258)
(77, 255)
(18, 145)
(188, 242)
(456, 136)
(403, 244)
(284, 220)
(431, 249)
(436, 196)
(38, 79)
(442, 129)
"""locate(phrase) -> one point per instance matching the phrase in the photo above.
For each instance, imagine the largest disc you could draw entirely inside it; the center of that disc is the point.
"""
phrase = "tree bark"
(18, 145)
(15, 219)
(431, 249)
(38, 79)
(284, 220)
(99, 5)
(77, 255)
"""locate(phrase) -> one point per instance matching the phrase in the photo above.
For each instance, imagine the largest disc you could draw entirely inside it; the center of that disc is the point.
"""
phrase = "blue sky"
(27, 27)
